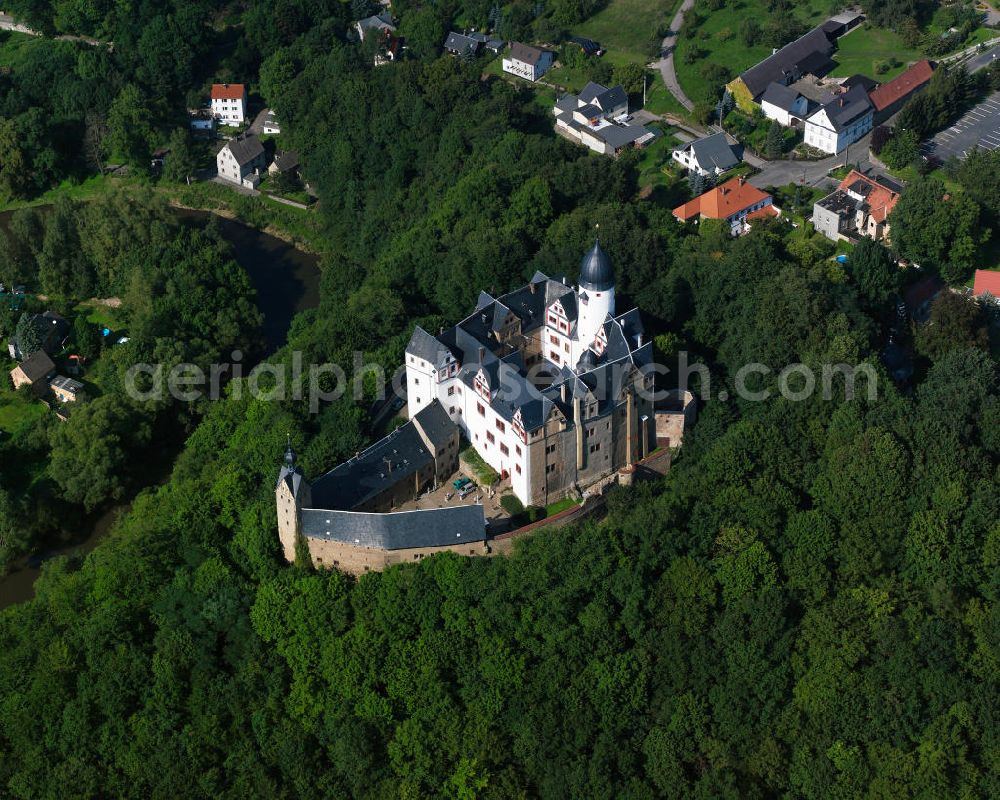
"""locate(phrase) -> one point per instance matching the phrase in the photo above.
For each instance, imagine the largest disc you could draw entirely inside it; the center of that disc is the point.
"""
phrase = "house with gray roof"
(840, 122)
(528, 62)
(242, 160)
(598, 118)
(380, 24)
(710, 155)
(784, 104)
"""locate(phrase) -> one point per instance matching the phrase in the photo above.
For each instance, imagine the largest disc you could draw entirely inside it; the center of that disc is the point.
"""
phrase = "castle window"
(480, 409)
(517, 449)
(451, 391)
(554, 356)
(503, 449)
(554, 340)
(550, 468)
(500, 426)
(566, 347)
(517, 468)
(416, 381)
(489, 437)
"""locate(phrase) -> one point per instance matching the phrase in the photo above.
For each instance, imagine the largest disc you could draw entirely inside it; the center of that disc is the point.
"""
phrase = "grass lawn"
(660, 101)
(15, 409)
(654, 158)
(719, 38)
(559, 506)
(91, 187)
(100, 314)
(627, 27)
(864, 48)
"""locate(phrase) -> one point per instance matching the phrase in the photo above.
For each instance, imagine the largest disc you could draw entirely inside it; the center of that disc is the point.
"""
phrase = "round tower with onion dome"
(595, 293)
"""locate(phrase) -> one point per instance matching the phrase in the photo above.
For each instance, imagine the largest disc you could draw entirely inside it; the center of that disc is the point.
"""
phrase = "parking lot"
(979, 127)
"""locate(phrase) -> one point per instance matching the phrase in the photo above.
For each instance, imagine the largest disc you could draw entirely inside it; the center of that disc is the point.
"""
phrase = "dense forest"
(808, 605)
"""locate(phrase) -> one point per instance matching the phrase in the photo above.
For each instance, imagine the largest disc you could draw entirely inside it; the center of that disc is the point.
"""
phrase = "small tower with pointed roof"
(596, 295)
(292, 493)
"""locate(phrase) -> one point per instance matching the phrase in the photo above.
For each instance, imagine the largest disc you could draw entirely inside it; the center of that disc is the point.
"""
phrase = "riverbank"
(298, 227)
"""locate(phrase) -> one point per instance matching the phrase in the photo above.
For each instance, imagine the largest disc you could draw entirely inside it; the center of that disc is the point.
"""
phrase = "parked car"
(460, 483)
(466, 490)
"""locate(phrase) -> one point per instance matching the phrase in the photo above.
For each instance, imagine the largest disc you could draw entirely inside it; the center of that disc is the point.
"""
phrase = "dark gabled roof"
(602, 96)
(37, 366)
(526, 53)
(245, 148)
(461, 44)
(714, 151)
(431, 527)
(781, 96)
(846, 108)
(427, 347)
(286, 160)
(66, 384)
(859, 80)
(384, 464)
(381, 21)
(787, 64)
(437, 426)
(589, 46)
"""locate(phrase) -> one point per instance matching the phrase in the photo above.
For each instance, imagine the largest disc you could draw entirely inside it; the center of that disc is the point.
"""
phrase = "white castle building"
(546, 382)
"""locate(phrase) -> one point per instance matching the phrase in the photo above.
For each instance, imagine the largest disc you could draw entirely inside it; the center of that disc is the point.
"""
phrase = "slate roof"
(437, 426)
(66, 384)
(714, 151)
(846, 108)
(376, 21)
(903, 85)
(245, 148)
(286, 160)
(37, 366)
(781, 96)
(788, 63)
(432, 527)
(460, 44)
(427, 347)
(589, 46)
(383, 464)
(859, 80)
(526, 53)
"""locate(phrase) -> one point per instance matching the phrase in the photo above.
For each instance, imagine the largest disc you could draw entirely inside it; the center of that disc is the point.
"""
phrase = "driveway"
(978, 127)
(666, 63)
(257, 126)
(811, 173)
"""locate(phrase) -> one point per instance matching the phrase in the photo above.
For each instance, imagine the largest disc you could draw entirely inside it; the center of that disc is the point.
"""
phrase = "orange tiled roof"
(902, 85)
(881, 199)
(227, 91)
(721, 202)
(986, 281)
(760, 213)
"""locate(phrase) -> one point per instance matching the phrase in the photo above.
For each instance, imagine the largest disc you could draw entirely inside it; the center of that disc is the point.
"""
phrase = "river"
(287, 282)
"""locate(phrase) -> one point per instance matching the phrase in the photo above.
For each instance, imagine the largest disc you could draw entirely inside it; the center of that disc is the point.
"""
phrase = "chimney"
(562, 392)
(441, 331)
(482, 354)
(638, 340)
(531, 287)
(740, 179)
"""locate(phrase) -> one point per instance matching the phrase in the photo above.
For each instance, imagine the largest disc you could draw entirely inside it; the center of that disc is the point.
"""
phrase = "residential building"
(711, 155)
(810, 54)
(271, 125)
(52, 332)
(860, 206)
(986, 284)
(841, 122)
(528, 62)
(471, 43)
(784, 104)
(241, 161)
(229, 103)
(734, 201)
(598, 118)
(589, 46)
(284, 161)
(382, 24)
(890, 97)
(202, 121)
(34, 371)
(65, 390)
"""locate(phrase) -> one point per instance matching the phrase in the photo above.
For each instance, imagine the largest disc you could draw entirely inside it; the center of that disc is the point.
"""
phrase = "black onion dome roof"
(596, 273)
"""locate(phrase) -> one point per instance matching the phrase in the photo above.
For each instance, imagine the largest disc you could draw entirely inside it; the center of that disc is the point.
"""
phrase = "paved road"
(812, 173)
(983, 59)
(666, 63)
(979, 127)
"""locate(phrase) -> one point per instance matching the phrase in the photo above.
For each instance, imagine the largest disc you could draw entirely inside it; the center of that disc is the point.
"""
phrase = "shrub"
(511, 505)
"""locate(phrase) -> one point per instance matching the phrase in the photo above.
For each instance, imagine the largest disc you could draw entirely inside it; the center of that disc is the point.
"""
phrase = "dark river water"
(287, 282)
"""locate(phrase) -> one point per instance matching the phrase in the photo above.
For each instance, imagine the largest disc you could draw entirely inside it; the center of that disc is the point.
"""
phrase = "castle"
(547, 384)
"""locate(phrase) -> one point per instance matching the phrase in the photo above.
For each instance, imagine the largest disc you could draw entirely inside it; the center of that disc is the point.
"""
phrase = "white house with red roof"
(229, 103)
(987, 282)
